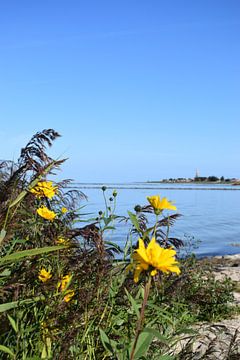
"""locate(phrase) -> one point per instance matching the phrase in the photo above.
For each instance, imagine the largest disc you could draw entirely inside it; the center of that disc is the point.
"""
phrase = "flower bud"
(138, 208)
(104, 188)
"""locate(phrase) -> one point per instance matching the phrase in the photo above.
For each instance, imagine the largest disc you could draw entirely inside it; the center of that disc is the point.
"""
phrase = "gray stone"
(217, 341)
(220, 340)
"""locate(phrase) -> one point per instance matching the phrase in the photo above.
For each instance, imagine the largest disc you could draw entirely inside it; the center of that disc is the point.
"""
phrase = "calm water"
(210, 213)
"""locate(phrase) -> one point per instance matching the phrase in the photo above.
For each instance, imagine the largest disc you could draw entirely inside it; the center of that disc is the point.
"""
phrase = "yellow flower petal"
(45, 213)
(69, 295)
(153, 272)
(153, 258)
(137, 273)
(65, 281)
(44, 275)
(62, 241)
(160, 205)
(44, 189)
(165, 204)
(154, 201)
(142, 250)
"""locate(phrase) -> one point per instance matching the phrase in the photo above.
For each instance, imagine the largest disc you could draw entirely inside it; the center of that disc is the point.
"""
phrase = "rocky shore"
(227, 266)
(219, 340)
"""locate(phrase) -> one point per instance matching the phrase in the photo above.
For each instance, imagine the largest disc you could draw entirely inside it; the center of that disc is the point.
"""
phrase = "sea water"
(210, 212)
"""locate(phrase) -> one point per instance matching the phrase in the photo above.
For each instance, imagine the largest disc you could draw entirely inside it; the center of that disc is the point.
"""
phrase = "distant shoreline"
(192, 182)
(132, 187)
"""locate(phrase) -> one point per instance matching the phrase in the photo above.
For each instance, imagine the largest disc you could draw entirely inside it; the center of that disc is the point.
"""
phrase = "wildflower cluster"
(45, 275)
(44, 189)
(69, 275)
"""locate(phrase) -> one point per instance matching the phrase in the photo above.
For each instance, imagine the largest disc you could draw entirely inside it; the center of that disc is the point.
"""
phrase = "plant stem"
(141, 319)
(105, 200)
(167, 234)
(155, 226)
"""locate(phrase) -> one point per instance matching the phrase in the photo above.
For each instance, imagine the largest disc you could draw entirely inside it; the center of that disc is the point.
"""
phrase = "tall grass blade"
(13, 323)
(14, 304)
(6, 350)
(2, 235)
(25, 253)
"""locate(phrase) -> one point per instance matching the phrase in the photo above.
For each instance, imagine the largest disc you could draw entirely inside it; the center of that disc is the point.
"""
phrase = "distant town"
(201, 179)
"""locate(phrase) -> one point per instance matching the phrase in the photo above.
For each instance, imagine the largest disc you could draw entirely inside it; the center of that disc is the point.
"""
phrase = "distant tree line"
(211, 178)
(200, 179)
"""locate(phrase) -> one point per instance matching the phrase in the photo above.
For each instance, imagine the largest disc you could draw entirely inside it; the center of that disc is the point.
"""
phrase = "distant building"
(197, 174)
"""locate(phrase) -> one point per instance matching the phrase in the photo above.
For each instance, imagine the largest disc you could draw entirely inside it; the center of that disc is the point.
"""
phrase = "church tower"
(197, 174)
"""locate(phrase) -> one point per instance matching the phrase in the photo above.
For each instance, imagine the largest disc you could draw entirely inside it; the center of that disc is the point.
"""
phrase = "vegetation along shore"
(200, 180)
(65, 296)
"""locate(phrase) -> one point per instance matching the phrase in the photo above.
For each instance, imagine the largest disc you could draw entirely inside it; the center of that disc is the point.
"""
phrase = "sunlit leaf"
(144, 341)
(33, 252)
(13, 323)
(7, 351)
(134, 220)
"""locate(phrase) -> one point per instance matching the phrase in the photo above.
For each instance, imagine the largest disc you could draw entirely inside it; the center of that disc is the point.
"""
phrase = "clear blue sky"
(139, 90)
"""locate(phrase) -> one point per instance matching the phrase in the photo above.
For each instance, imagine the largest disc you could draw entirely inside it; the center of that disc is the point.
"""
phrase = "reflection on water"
(213, 217)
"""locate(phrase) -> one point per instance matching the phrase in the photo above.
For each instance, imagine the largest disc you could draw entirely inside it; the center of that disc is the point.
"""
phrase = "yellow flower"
(63, 285)
(64, 210)
(69, 295)
(153, 258)
(44, 189)
(44, 275)
(45, 213)
(159, 205)
(62, 241)
(64, 282)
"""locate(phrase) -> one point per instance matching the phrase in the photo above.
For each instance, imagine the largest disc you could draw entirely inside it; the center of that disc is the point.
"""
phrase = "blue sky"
(139, 90)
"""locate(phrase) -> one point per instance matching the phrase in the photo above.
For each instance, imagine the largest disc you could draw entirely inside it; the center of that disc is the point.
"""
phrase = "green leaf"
(2, 235)
(19, 198)
(5, 272)
(167, 357)
(135, 306)
(26, 253)
(144, 341)
(161, 313)
(109, 345)
(7, 350)
(13, 323)
(134, 220)
(8, 306)
(127, 247)
(14, 304)
(107, 220)
(184, 331)
(47, 349)
(44, 352)
(157, 334)
(116, 247)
